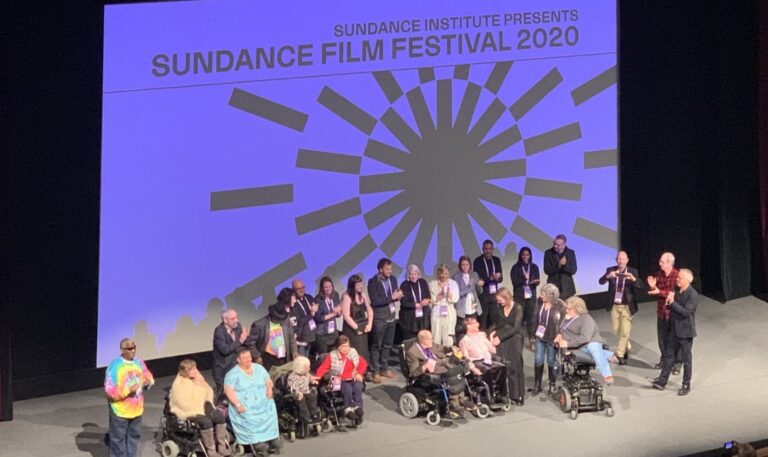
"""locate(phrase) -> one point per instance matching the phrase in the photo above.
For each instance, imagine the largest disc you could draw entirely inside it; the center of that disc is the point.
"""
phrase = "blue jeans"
(383, 340)
(600, 357)
(124, 435)
(543, 348)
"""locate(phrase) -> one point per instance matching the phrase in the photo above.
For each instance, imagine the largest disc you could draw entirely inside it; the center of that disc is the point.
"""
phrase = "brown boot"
(222, 440)
(206, 436)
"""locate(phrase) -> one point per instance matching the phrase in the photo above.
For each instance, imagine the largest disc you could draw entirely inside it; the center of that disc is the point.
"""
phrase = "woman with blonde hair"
(445, 293)
(191, 398)
(507, 335)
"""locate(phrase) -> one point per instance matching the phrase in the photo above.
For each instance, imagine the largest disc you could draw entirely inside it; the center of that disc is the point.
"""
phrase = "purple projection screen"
(246, 144)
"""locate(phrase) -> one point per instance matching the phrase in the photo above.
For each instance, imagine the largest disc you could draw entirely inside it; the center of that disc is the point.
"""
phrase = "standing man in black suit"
(304, 311)
(227, 339)
(383, 292)
(560, 266)
(488, 269)
(682, 307)
(623, 283)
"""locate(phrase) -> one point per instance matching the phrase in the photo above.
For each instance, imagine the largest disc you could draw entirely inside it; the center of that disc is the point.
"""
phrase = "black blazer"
(683, 313)
(630, 288)
(561, 276)
(322, 311)
(380, 301)
(258, 338)
(224, 351)
(408, 319)
(302, 316)
(481, 267)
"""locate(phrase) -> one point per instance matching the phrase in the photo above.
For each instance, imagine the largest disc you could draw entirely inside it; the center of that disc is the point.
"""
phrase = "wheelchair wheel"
(483, 411)
(169, 449)
(564, 399)
(574, 414)
(609, 411)
(292, 436)
(238, 450)
(191, 454)
(433, 418)
(507, 405)
(409, 405)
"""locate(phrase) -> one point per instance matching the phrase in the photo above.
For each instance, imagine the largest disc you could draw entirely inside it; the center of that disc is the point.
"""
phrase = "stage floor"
(728, 401)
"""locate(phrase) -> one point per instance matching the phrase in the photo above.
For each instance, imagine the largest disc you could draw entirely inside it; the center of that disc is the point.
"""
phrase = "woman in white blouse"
(445, 294)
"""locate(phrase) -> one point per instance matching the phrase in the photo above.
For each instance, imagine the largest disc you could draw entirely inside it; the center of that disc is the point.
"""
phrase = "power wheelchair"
(579, 392)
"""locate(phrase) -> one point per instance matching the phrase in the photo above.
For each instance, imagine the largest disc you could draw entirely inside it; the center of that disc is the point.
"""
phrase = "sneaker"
(684, 390)
(676, 369)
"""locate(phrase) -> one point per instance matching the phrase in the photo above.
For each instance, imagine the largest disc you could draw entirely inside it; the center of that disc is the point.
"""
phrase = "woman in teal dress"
(252, 410)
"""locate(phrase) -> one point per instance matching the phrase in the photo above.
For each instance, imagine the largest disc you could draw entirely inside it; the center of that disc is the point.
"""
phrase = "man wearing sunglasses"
(126, 378)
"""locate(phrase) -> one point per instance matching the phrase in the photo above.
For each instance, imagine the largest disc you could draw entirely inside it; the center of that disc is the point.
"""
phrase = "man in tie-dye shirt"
(126, 378)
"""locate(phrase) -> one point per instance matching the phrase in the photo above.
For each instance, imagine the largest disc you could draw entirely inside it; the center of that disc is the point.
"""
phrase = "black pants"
(272, 361)
(212, 416)
(673, 346)
(308, 406)
(664, 332)
(487, 304)
(529, 316)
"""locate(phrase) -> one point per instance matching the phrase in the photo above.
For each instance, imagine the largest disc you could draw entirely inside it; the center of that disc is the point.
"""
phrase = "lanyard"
(425, 354)
(527, 273)
(493, 267)
(568, 322)
(416, 300)
(387, 286)
(542, 312)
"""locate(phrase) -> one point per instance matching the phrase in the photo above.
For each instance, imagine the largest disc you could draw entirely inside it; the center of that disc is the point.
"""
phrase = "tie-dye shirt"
(121, 375)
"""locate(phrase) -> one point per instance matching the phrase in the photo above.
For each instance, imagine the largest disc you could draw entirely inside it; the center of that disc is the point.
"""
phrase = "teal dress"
(258, 423)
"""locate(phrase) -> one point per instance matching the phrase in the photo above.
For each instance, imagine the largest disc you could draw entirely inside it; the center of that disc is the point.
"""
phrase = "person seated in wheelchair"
(579, 331)
(191, 398)
(432, 363)
(480, 355)
(347, 369)
(302, 386)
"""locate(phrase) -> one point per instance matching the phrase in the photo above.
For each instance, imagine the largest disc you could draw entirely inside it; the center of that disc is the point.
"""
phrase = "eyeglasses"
(132, 348)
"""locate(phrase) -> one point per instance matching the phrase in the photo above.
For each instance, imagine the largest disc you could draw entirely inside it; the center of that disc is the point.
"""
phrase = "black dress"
(358, 339)
(509, 329)
(413, 293)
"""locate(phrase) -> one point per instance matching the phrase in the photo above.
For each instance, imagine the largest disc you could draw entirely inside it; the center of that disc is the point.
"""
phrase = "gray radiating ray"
(371, 184)
(553, 189)
(552, 139)
(461, 72)
(421, 242)
(530, 233)
(243, 296)
(598, 233)
(503, 169)
(602, 158)
(444, 104)
(347, 110)
(487, 220)
(387, 154)
(467, 108)
(486, 122)
(497, 76)
(499, 196)
(328, 161)
(268, 109)
(466, 233)
(387, 210)
(499, 143)
(329, 215)
(444, 241)
(395, 239)
(426, 74)
(388, 85)
(536, 93)
(356, 254)
(254, 196)
(594, 86)
(421, 113)
(400, 129)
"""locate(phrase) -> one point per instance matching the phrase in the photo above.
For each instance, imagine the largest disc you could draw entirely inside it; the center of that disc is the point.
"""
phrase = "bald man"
(660, 286)
(303, 314)
(623, 283)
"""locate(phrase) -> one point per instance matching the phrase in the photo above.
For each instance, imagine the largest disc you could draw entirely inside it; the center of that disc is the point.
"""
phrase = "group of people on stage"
(467, 309)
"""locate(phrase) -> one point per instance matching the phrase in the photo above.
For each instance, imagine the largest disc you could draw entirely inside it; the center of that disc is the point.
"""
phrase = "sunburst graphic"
(451, 160)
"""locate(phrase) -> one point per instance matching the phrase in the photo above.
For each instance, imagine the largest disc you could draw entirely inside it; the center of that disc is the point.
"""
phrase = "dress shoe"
(388, 374)
(655, 383)
(377, 378)
(368, 377)
(684, 390)
(623, 360)
(676, 369)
